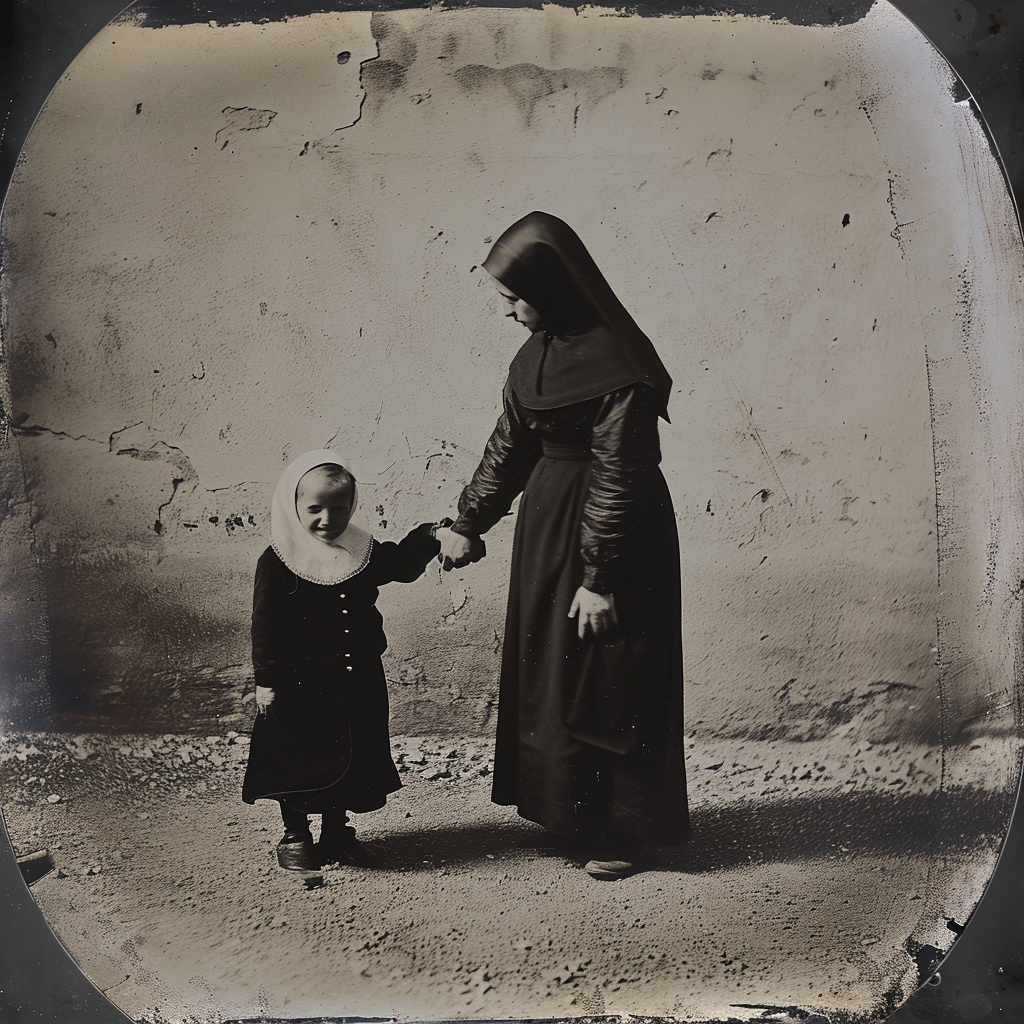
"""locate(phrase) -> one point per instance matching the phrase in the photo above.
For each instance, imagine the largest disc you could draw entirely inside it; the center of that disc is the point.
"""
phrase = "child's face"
(324, 505)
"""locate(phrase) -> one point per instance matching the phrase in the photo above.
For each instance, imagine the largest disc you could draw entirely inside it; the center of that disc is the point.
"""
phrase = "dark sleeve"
(626, 451)
(508, 459)
(405, 561)
(270, 647)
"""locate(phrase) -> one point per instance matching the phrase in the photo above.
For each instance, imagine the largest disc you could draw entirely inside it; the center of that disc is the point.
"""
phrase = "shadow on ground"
(740, 834)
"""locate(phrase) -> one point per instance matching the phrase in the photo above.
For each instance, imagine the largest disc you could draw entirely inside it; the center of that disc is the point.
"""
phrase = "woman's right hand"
(264, 698)
(595, 614)
(457, 550)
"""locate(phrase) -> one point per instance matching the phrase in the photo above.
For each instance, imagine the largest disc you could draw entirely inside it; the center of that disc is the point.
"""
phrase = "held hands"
(264, 698)
(457, 550)
(595, 613)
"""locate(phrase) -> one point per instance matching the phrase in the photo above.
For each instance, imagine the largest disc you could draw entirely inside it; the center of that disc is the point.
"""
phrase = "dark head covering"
(589, 344)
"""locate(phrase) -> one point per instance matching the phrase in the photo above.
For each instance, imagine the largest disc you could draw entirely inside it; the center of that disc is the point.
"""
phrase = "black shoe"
(342, 847)
(618, 856)
(295, 852)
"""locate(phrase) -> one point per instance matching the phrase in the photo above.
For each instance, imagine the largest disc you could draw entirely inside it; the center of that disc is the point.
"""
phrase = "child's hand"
(457, 550)
(264, 697)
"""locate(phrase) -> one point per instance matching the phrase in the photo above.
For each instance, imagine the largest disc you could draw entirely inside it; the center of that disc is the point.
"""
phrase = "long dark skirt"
(590, 734)
(324, 745)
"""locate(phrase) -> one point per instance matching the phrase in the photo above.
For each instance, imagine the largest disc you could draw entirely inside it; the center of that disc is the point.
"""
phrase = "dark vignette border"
(982, 978)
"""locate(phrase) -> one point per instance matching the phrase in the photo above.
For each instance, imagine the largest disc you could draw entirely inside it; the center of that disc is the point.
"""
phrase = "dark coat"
(323, 742)
(590, 733)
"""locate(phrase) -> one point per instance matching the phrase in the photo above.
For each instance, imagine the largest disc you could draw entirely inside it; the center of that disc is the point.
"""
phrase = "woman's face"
(520, 310)
(324, 504)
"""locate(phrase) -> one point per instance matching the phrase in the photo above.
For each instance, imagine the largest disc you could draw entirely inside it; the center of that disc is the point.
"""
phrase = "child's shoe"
(295, 851)
(338, 845)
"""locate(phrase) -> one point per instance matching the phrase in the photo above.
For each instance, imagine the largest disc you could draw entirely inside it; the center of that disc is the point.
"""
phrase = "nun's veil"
(589, 345)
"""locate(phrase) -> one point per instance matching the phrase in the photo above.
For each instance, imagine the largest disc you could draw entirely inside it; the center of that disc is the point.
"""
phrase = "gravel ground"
(816, 875)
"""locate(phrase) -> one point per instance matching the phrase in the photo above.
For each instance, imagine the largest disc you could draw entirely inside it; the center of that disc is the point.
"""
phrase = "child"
(320, 741)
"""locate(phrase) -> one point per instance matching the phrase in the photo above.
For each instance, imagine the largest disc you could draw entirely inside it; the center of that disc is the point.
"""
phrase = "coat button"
(348, 655)
(349, 667)
(344, 611)
(346, 630)
(341, 595)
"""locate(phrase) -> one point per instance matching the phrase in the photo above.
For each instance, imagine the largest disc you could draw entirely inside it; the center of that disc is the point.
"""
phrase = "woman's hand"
(264, 698)
(595, 613)
(457, 550)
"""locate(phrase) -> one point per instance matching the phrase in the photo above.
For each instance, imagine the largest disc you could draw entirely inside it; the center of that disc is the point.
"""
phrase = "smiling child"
(320, 741)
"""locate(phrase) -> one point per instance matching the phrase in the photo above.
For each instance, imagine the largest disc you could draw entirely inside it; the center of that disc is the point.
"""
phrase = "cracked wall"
(226, 246)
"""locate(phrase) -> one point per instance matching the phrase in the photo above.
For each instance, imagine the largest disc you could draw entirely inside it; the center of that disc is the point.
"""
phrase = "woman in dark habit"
(590, 714)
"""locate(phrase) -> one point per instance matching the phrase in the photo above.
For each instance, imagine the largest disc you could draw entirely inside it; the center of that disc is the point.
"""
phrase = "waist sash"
(566, 452)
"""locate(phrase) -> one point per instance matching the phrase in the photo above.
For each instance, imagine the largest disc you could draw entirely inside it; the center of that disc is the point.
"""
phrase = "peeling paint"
(209, 333)
(528, 84)
(242, 119)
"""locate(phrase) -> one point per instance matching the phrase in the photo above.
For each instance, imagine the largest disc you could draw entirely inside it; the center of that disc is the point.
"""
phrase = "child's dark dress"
(323, 744)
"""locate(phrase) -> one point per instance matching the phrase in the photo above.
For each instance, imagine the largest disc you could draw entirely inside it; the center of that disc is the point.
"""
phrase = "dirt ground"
(820, 877)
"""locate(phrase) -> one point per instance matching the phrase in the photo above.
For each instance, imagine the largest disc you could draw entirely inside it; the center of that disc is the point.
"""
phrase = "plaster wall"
(223, 248)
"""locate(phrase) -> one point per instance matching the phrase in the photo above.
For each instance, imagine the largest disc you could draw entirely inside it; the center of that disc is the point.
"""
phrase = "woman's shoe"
(295, 852)
(618, 857)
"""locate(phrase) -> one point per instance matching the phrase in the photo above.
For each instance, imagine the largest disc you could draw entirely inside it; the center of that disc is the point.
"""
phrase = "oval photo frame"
(225, 245)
